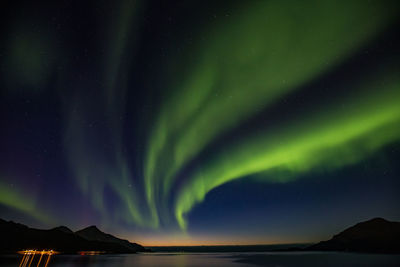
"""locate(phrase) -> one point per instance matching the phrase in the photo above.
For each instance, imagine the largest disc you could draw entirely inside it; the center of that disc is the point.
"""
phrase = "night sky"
(200, 122)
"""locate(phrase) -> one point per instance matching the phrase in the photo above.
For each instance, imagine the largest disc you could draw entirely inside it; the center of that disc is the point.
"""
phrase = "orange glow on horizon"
(181, 240)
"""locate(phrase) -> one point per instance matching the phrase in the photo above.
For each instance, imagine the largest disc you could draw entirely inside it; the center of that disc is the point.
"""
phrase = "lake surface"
(272, 259)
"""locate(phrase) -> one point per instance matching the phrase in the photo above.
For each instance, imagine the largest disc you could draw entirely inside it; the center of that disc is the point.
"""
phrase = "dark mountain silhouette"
(374, 236)
(15, 237)
(63, 229)
(92, 233)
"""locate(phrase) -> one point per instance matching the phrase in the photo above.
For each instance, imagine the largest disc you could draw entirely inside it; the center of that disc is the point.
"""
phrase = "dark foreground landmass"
(374, 236)
(15, 237)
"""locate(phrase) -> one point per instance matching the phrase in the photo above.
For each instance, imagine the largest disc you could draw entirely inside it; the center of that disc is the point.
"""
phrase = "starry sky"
(200, 122)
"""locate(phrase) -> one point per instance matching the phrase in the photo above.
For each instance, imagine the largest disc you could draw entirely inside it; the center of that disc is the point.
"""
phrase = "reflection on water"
(91, 252)
(283, 259)
(29, 259)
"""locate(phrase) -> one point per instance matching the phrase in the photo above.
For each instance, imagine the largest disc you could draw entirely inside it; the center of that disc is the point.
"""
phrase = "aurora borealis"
(192, 122)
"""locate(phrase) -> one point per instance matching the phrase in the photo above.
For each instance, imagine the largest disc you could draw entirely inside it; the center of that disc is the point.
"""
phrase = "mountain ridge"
(93, 233)
(376, 235)
(16, 236)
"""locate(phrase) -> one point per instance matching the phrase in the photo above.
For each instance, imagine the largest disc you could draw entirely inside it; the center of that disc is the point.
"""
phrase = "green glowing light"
(240, 65)
(94, 171)
(30, 58)
(247, 63)
(12, 198)
(331, 138)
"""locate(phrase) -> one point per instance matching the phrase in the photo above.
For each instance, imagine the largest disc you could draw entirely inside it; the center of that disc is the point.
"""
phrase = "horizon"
(209, 241)
(200, 122)
(188, 243)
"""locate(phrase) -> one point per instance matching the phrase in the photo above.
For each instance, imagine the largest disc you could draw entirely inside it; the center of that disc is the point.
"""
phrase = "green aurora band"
(247, 63)
(332, 138)
(13, 198)
(112, 171)
(239, 66)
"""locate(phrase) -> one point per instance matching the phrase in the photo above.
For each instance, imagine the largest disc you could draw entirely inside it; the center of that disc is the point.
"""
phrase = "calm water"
(273, 259)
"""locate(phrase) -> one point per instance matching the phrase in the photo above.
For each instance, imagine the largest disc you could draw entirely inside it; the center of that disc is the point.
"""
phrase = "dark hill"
(374, 236)
(15, 237)
(92, 233)
(63, 229)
